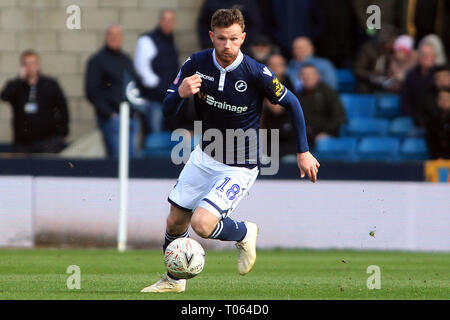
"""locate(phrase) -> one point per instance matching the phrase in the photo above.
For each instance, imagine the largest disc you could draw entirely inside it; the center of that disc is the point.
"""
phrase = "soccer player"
(228, 89)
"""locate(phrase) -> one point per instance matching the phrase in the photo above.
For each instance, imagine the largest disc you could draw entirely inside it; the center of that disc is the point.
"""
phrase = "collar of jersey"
(232, 66)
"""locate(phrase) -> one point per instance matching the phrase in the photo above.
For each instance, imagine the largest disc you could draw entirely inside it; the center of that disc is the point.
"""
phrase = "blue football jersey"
(231, 98)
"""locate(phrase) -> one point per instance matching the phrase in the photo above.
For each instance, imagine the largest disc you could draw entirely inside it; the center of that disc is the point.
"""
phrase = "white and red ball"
(184, 258)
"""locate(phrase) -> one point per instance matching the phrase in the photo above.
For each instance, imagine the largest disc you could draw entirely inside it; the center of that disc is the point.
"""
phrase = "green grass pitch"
(278, 274)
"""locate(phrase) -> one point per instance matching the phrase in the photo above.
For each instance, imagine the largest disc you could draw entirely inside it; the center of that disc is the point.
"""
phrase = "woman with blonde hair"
(436, 42)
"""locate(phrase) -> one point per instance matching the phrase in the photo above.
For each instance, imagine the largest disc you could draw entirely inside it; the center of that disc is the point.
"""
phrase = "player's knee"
(201, 227)
(171, 225)
(175, 224)
(171, 222)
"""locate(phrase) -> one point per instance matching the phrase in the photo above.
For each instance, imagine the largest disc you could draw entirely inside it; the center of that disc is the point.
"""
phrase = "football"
(184, 258)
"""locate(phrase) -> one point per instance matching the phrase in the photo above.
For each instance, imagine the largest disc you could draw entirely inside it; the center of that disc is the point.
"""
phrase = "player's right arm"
(185, 85)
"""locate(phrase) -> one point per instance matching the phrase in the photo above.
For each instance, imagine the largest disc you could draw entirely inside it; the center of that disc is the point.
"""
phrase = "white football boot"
(247, 249)
(166, 284)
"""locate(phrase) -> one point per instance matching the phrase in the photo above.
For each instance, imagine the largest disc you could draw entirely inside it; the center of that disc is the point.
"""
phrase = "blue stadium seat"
(388, 105)
(359, 127)
(158, 144)
(414, 149)
(401, 127)
(343, 130)
(336, 149)
(346, 80)
(359, 105)
(378, 148)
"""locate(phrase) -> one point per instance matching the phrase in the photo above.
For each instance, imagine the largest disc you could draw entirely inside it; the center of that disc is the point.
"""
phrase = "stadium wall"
(358, 215)
(16, 211)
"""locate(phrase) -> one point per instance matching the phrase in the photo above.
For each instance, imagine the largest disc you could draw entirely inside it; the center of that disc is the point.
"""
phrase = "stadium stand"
(401, 127)
(359, 105)
(378, 148)
(388, 105)
(346, 80)
(367, 126)
(375, 131)
(336, 149)
(413, 149)
(158, 144)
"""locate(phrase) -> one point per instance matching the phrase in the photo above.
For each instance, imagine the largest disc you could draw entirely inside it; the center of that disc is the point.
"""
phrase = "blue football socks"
(229, 230)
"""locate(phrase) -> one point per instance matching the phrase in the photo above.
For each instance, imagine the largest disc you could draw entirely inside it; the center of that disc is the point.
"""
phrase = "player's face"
(227, 42)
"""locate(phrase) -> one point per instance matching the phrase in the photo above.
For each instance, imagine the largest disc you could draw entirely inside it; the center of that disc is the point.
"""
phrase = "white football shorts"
(210, 184)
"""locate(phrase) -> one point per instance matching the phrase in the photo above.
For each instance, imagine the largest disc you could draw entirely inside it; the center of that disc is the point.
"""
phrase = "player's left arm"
(277, 93)
(305, 160)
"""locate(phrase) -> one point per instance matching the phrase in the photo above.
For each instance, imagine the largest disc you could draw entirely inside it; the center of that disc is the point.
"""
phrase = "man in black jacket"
(438, 130)
(417, 92)
(105, 89)
(369, 55)
(323, 110)
(156, 64)
(40, 114)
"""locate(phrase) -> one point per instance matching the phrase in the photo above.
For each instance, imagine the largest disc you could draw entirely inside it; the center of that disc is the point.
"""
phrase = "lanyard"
(32, 94)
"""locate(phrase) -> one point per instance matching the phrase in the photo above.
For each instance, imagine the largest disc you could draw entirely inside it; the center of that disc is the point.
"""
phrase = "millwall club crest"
(240, 85)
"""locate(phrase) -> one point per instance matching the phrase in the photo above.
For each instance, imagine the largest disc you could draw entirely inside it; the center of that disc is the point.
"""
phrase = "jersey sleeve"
(272, 88)
(186, 70)
(173, 102)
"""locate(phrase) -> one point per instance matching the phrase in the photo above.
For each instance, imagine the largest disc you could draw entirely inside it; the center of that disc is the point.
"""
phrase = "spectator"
(442, 77)
(438, 130)
(417, 96)
(261, 49)
(104, 89)
(323, 110)
(250, 9)
(404, 59)
(40, 113)
(438, 46)
(391, 68)
(303, 52)
(368, 57)
(275, 116)
(156, 63)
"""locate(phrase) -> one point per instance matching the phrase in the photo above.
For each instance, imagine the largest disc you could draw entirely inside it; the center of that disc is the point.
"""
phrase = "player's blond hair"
(224, 18)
